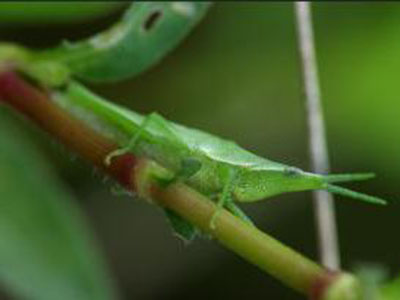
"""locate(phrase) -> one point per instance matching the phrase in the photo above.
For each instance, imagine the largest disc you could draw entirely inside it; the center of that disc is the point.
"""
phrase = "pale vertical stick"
(323, 201)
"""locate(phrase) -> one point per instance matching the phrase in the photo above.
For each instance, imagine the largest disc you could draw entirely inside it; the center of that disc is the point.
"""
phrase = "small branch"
(245, 240)
(323, 201)
(258, 248)
(80, 138)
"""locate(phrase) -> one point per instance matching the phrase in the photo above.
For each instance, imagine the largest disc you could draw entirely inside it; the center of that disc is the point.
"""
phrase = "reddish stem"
(322, 283)
(35, 104)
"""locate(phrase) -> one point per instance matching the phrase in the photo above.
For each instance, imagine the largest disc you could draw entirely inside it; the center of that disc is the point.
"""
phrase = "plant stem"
(245, 240)
(323, 201)
(260, 249)
(90, 145)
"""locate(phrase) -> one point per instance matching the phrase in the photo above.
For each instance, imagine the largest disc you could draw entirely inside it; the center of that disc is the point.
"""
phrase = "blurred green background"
(237, 75)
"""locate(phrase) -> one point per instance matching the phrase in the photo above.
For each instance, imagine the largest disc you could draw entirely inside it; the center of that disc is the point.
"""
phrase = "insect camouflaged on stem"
(218, 168)
(215, 167)
(256, 247)
(212, 166)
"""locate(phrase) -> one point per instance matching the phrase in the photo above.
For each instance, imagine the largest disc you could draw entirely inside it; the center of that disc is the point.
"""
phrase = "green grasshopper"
(216, 167)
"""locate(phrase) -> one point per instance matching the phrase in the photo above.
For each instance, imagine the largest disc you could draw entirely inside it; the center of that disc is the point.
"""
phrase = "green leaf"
(46, 249)
(144, 35)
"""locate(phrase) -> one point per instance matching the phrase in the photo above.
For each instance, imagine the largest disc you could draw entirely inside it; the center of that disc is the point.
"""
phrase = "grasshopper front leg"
(236, 211)
(189, 167)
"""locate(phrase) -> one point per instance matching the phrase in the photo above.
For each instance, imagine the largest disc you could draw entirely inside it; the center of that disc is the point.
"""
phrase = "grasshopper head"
(260, 184)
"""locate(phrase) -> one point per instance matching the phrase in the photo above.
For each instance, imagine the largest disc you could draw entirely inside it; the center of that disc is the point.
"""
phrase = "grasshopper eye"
(152, 20)
(292, 172)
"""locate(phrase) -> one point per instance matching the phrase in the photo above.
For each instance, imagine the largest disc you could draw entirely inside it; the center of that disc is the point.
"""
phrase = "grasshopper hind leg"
(189, 167)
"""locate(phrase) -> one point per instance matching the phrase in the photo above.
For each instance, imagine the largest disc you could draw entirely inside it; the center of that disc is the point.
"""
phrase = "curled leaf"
(145, 34)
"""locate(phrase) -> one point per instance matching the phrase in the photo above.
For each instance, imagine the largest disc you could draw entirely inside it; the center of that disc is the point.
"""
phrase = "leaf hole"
(152, 20)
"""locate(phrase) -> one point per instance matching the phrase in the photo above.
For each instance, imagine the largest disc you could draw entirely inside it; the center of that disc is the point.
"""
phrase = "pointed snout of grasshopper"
(296, 180)
(267, 183)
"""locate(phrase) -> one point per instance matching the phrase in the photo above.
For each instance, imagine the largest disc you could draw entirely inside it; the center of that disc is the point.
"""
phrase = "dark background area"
(237, 76)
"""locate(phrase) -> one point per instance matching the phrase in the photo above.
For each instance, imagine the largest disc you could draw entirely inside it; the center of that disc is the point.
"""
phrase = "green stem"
(247, 241)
